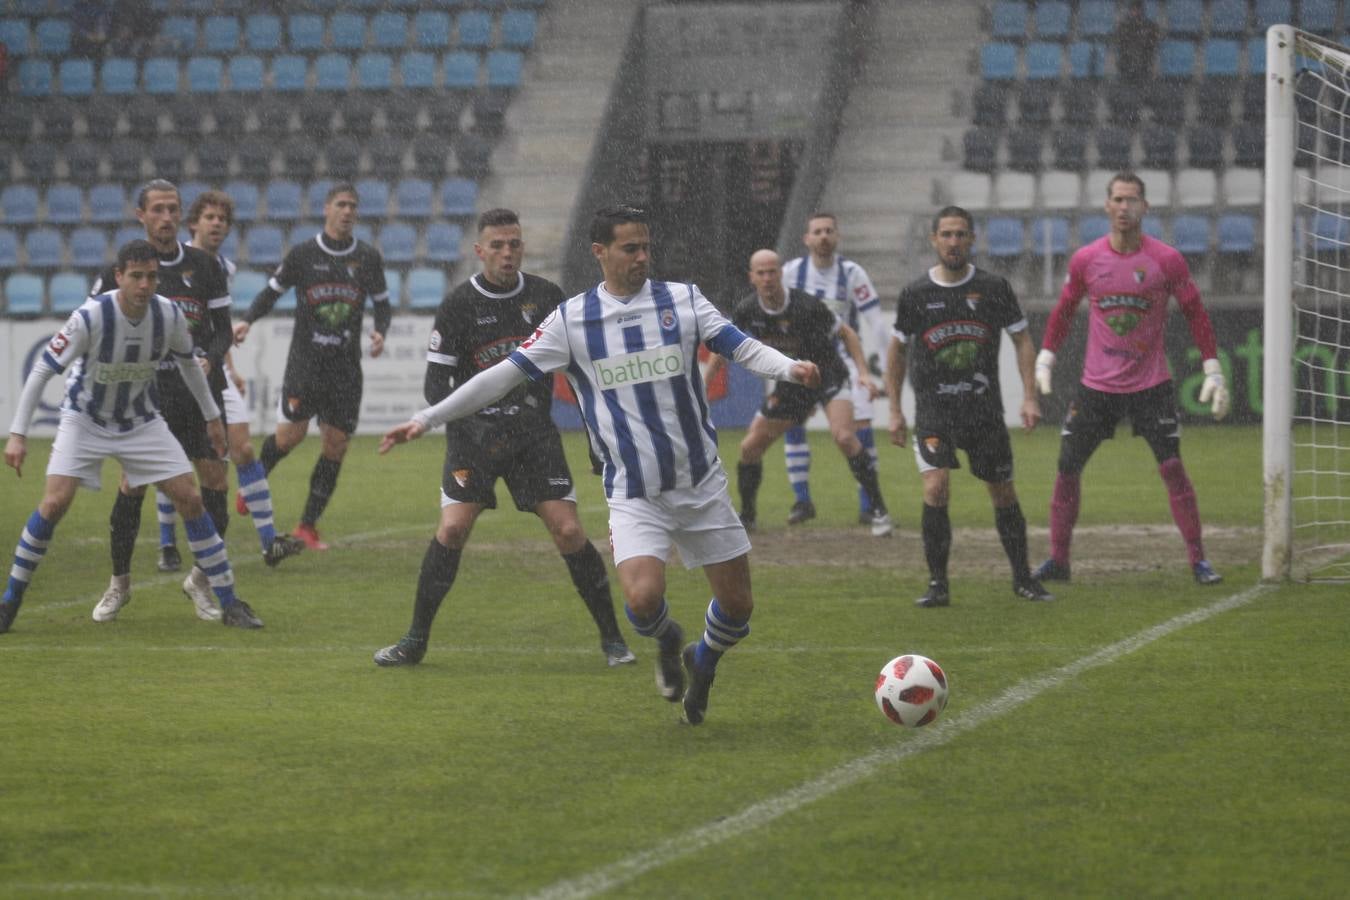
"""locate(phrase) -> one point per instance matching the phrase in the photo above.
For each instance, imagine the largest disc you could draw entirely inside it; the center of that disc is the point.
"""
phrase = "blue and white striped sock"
(720, 633)
(660, 626)
(210, 552)
(798, 454)
(32, 546)
(258, 498)
(168, 518)
(869, 443)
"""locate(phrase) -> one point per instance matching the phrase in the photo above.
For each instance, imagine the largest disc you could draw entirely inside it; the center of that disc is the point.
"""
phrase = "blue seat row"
(1015, 20)
(1177, 59)
(1009, 238)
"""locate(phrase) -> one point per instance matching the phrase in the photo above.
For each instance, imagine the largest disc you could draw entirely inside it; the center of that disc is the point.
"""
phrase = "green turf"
(163, 756)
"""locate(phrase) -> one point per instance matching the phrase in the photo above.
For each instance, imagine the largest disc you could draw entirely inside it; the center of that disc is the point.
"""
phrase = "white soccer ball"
(911, 690)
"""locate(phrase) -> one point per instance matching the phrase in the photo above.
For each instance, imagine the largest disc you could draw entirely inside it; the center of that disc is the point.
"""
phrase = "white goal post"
(1306, 373)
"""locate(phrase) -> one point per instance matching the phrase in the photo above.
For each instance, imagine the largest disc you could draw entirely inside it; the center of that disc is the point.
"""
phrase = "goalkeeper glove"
(1215, 390)
(1045, 361)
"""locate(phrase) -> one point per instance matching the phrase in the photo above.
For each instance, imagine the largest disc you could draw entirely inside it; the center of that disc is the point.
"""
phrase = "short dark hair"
(1129, 178)
(139, 250)
(155, 184)
(341, 187)
(498, 218)
(607, 219)
(210, 198)
(951, 212)
(822, 214)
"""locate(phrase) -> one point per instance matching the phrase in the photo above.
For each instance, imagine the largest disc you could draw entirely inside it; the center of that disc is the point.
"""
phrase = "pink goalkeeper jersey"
(1128, 295)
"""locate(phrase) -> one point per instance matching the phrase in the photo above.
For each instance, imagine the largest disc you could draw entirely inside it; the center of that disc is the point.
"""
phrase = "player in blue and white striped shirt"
(629, 348)
(111, 348)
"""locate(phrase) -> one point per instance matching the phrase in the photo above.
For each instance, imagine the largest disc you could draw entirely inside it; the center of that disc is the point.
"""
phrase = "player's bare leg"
(643, 581)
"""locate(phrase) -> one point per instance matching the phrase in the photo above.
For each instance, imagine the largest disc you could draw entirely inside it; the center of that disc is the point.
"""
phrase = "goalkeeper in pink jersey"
(1127, 277)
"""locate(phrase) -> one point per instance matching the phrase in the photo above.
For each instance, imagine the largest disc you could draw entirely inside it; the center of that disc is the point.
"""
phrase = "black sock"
(439, 565)
(864, 469)
(592, 582)
(218, 508)
(937, 541)
(1012, 531)
(271, 454)
(321, 485)
(748, 478)
(125, 524)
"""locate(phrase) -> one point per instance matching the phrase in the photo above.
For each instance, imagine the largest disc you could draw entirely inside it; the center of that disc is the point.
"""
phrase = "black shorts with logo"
(1152, 412)
(531, 462)
(333, 394)
(796, 403)
(987, 448)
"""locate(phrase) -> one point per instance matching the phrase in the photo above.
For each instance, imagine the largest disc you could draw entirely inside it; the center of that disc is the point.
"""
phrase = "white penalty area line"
(767, 811)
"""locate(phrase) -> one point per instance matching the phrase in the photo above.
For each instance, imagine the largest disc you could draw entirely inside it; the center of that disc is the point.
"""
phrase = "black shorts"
(796, 403)
(1152, 412)
(532, 464)
(332, 395)
(987, 448)
(184, 417)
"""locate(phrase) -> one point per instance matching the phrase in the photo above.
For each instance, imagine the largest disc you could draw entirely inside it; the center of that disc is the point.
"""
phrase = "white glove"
(1215, 389)
(1045, 361)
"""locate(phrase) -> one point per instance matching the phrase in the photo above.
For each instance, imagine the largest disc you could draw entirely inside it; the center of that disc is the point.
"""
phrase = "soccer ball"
(911, 690)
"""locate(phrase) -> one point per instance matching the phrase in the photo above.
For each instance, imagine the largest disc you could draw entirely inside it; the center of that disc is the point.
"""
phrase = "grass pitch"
(1139, 736)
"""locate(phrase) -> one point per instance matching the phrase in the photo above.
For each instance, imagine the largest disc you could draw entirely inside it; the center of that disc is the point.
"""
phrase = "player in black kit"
(477, 326)
(802, 327)
(197, 283)
(946, 332)
(332, 275)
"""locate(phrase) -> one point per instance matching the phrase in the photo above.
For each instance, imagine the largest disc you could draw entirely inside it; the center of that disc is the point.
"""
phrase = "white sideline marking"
(766, 811)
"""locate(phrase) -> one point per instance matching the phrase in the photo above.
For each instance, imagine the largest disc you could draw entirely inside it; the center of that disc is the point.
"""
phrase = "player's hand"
(873, 392)
(240, 331)
(16, 448)
(238, 380)
(1045, 361)
(204, 364)
(1031, 412)
(215, 431)
(376, 344)
(899, 431)
(1215, 389)
(805, 373)
(410, 430)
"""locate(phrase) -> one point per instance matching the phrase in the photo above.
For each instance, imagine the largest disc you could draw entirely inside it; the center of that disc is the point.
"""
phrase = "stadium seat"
(342, 157)
(100, 120)
(1052, 19)
(473, 154)
(76, 77)
(1033, 103)
(426, 288)
(998, 62)
(125, 156)
(1124, 104)
(518, 28)
(205, 75)
(57, 116)
(1014, 191)
(254, 159)
(442, 242)
(23, 294)
(246, 199)
(375, 71)
(246, 74)
(386, 155)
(1256, 56)
(1087, 59)
(398, 243)
(159, 75)
(1243, 187)
(1185, 18)
(363, 231)
(1236, 234)
(1166, 101)
(9, 249)
(19, 204)
(1317, 16)
(1024, 149)
(1249, 145)
(263, 245)
(117, 76)
(82, 161)
(179, 34)
(283, 200)
(1176, 59)
(1096, 19)
(347, 31)
(393, 281)
(459, 197)
(1114, 147)
(971, 190)
(126, 234)
(213, 158)
(1159, 144)
(35, 77)
(1009, 20)
(88, 247)
(430, 154)
(1204, 149)
(1330, 233)
(989, 103)
(460, 69)
(980, 149)
(189, 191)
(65, 204)
(262, 33)
(301, 232)
(43, 248)
(1049, 236)
(220, 34)
(1228, 17)
(1153, 227)
(1070, 148)
(1214, 102)
(68, 290)
(388, 31)
(288, 72)
(15, 35)
(1003, 238)
(475, 29)
(413, 198)
(1061, 190)
(1190, 235)
(332, 72)
(1158, 183)
(417, 70)
(1044, 60)
(1078, 100)
(315, 192)
(53, 37)
(1220, 58)
(39, 159)
(374, 194)
(107, 203)
(247, 284)
(16, 122)
(1196, 187)
(431, 30)
(304, 32)
(1272, 12)
(167, 157)
(504, 68)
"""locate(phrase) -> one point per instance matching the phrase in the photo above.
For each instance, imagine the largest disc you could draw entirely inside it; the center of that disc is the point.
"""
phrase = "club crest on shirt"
(972, 300)
(461, 476)
(667, 319)
(186, 276)
(435, 339)
(933, 443)
(352, 268)
(1140, 275)
(527, 312)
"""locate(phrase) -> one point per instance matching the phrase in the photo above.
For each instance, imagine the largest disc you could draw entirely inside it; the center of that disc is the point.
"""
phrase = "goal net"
(1307, 308)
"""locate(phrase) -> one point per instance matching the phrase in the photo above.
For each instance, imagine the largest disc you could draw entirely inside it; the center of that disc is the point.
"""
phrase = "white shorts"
(862, 400)
(699, 521)
(148, 453)
(236, 411)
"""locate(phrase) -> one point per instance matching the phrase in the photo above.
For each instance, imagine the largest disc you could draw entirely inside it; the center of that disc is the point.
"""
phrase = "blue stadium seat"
(189, 191)
(44, 248)
(1317, 15)
(374, 71)
(1004, 238)
(77, 77)
(1092, 227)
(1220, 57)
(393, 282)
(35, 77)
(301, 232)
(229, 248)
(388, 31)
(417, 70)
(332, 72)
(288, 72)
(347, 31)
(504, 68)
(1237, 234)
(9, 249)
(1058, 244)
(1272, 12)
(305, 32)
(461, 69)
(14, 34)
(1190, 235)
(23, 294)
(431, 29)
(398, 243)
(374, 194)
(1331, 233)
(283, 200)
(1044, 60)
(1185, 18)
(159, 75)
(1176, 59)
(475, 29)
(363, 231)
(1256, 58)
(65, 204)
(1009, 20)
(263, 245)
(413, 198)
(1052, 19)
(53, 37)
(426, 288)
(245, 197)
(998, 62)
(314, 195)
(88, 247)
(125, 234)
(67, 291)
(246, 73)
(19, 204)
(262, 33)
(247, 284)
(519, 27)
(459, 197)
(442, 241)
(1228, 17)
(1087, 59)
(179, 34)
(220, 34)
(118, 76)
(1096, 19)
(205, 74)
(107, 203)
(1153, 227)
